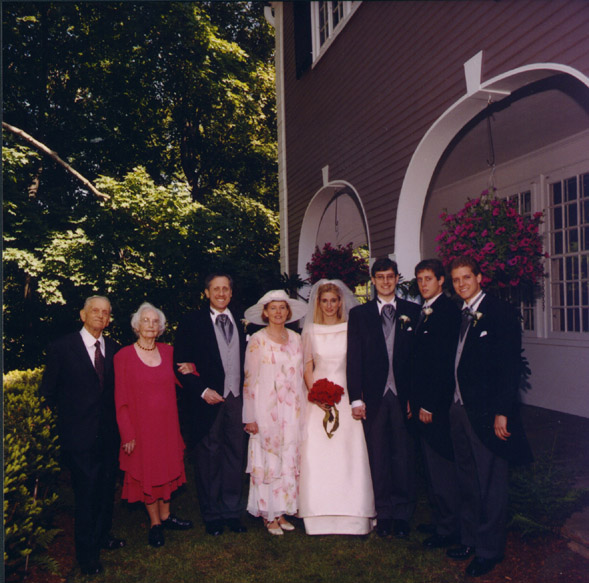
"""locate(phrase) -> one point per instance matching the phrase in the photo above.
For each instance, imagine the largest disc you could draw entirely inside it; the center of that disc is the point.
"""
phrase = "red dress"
(145, 398)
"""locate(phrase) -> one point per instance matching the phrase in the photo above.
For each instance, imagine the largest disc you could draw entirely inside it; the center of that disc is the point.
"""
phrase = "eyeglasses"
(148, 321)
(385, 277)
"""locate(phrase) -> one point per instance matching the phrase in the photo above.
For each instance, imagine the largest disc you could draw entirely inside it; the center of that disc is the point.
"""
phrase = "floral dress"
(274, 398)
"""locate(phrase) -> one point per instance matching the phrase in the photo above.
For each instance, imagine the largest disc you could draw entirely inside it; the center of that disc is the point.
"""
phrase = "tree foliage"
(169, 109)
(116, 85)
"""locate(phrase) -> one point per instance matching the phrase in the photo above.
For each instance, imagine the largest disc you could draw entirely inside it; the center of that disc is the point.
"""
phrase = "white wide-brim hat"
(297, 307)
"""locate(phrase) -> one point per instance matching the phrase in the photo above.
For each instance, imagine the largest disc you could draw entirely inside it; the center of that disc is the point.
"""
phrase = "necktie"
(466, 319)
(226, 326)
(99, 363)
(388, 315)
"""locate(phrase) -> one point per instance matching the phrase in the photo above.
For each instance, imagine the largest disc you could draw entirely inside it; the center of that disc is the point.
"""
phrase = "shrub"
(542, 496)
(30, 464)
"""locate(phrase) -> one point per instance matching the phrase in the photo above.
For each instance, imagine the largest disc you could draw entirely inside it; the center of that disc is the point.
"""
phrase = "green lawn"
(256, 556)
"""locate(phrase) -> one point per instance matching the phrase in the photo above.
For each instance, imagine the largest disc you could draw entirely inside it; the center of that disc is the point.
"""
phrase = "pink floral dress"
(274, 397)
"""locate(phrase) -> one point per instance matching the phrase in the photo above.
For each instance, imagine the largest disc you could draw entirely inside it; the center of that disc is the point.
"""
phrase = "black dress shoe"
(111, 543)
(460, 553)
(383, 527)
(480, 566)
(91, 568)
(426, 528)
(401, 528)
(214, 527)
(235, 525)
(175, 523)
(438, 541)
(156, 536)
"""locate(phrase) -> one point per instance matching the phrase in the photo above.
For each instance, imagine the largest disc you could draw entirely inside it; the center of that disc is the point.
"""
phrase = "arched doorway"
(335, 215)
(436, 140)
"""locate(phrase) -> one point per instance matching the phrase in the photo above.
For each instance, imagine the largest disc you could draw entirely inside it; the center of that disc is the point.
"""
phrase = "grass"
(257, 557)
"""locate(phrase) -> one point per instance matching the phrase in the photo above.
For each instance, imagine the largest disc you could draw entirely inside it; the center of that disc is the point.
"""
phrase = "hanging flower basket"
(338, 262)
(507, 245)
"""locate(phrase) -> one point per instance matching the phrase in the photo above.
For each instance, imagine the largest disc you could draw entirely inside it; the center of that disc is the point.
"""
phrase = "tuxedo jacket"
(196, 342)
(432, 372)
(489, 373)
(367, 358)
(85, 412)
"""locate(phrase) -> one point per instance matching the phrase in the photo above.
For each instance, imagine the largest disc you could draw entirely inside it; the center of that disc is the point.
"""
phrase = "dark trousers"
(94, 475)
(483, 484)
(442, 486)
(220, 462)
(391, 452)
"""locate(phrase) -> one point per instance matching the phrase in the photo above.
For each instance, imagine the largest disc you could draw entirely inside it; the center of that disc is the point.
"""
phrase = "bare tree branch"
(54, 156)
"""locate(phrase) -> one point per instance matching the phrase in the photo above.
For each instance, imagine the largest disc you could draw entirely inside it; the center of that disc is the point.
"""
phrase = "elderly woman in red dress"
(152, 449)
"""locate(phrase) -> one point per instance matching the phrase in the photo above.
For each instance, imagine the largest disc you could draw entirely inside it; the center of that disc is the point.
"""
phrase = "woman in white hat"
(273, 402)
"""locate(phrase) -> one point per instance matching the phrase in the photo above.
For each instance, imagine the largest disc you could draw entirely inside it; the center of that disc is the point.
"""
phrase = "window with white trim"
(327, 19)
(569, 253)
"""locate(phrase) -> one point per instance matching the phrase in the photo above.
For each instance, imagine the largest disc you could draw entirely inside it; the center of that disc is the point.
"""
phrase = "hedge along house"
(383, 112)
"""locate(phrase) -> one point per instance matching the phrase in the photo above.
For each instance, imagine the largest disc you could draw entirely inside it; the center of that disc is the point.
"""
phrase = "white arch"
(313, 215)
(436, 140)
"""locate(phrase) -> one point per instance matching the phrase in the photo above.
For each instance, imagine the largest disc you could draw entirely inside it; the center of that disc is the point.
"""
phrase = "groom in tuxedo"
(78, 383)
(214, 340)
(484, 422)
(380, 335)
(432, 389)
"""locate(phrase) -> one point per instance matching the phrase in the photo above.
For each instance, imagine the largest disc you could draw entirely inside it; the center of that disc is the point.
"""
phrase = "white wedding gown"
(335, 488)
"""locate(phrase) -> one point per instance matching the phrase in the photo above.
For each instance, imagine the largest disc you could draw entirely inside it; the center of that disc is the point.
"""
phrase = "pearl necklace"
(147, 349)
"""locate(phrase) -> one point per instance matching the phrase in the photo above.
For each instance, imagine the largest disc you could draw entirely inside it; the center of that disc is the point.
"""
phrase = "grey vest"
(230, 359)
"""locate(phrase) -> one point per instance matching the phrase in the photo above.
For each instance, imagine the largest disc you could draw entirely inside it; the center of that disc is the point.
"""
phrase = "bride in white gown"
(336, 495)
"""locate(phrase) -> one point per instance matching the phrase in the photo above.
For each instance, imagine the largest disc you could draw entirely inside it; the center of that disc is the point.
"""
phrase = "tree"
(146, 242)
(161, 108)
(111, 86)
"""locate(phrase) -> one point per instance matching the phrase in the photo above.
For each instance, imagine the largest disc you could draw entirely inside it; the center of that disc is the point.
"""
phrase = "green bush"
(543, 496)
(30, 465)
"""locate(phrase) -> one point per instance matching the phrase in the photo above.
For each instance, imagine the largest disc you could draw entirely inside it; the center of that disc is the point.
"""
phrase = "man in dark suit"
(79, 383)
(380, 335)
(484, 421)
(432, 389)
(214, 341)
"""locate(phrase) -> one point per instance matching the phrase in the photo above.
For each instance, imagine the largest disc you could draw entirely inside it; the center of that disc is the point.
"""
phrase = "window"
(328, 18)
(524, 207)
(569, 253)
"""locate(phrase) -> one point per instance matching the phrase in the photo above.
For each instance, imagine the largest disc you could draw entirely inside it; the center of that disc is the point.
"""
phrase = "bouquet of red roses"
(324, 392)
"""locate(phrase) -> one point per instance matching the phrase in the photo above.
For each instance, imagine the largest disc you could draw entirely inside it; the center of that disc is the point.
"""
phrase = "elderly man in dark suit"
(79, 383)
(380, 336)
(432, 389)
(214, 340)
(484, 421)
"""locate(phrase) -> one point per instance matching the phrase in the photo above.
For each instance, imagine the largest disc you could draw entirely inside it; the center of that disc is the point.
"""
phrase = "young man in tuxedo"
(214, 340)
(79, 384)
(380, 335)
(432, 389)
(484, 421)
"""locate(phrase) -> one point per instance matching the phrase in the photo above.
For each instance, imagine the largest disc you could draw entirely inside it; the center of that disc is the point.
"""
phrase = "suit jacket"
(85, 412)
(432, 372)
(489, 374)
(367, 358)
(196, 342)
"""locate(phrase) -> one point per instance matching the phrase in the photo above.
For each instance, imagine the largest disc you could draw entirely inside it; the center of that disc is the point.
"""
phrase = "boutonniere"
(427, 312)
(404, 320)
(476, 316)
(245, 323)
